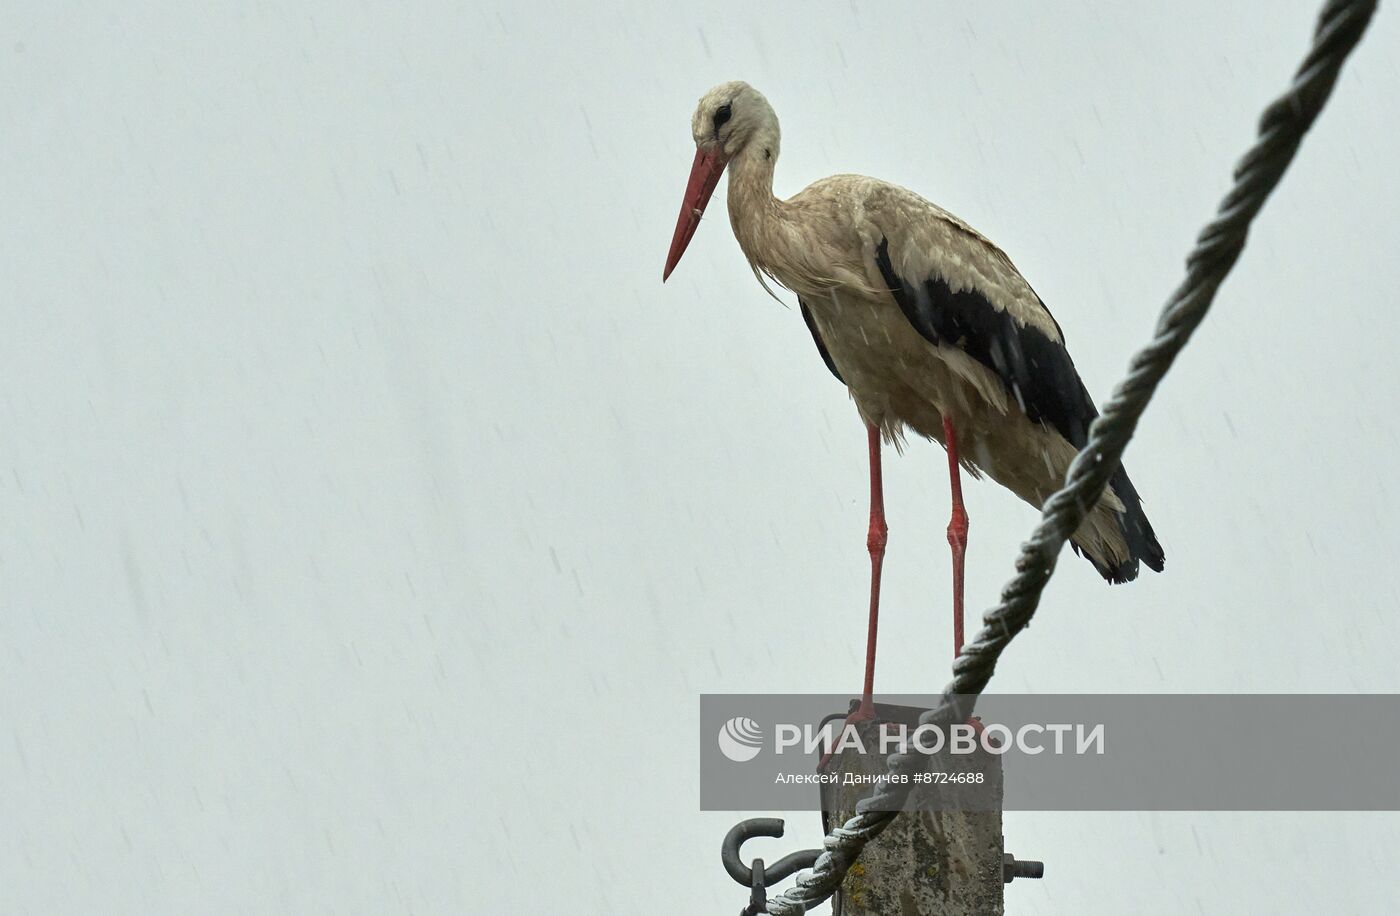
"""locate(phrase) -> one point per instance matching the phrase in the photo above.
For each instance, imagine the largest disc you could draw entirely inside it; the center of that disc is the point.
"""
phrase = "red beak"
(704, 176)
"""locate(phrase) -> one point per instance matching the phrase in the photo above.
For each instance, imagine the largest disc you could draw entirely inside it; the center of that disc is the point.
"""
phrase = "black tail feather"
(1137, 531)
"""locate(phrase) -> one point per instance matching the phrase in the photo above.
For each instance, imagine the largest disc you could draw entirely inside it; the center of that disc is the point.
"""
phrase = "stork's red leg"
(957, 531)
(875, 540)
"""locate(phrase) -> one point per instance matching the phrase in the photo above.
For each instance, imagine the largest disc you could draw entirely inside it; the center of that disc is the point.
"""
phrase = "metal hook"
(761, 826)
(758, 897)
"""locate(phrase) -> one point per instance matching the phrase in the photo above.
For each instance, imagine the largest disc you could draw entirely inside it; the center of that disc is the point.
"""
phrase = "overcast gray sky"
(373, 516)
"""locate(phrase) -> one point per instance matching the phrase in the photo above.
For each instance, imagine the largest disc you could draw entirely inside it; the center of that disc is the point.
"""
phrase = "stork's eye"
(722, 115)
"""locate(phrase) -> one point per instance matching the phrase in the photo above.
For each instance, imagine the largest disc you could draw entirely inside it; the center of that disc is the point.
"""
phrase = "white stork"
(927, 323)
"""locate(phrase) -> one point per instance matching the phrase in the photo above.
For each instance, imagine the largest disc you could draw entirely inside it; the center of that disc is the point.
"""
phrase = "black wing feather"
(1036, 370)
(817, 339)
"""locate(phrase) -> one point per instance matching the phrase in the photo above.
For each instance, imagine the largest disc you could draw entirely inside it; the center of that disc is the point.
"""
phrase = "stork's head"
(729, 116)
(732, 119)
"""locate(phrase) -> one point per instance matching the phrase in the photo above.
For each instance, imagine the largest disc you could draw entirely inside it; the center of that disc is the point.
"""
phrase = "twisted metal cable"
(1281, 130)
